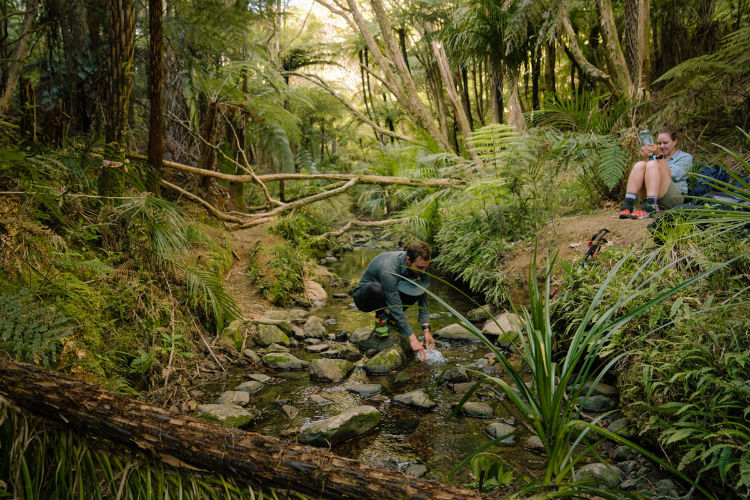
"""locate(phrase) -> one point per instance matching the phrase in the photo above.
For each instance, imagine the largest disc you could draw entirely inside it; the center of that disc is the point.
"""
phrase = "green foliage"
(489, 472)
(583, 113)
(29, 330)
(288, 265)
(42, 461)
(206, 292)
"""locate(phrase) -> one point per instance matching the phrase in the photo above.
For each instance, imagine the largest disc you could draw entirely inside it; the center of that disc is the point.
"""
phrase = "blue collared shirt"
(388, 268)
(679, 165)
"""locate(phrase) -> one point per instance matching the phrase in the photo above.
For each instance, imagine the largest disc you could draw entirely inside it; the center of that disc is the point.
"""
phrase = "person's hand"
(417, 347)
(429, 342)
(648, 149)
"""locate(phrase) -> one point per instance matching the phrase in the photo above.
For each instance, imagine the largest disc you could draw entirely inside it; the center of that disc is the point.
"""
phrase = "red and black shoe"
(625, 213)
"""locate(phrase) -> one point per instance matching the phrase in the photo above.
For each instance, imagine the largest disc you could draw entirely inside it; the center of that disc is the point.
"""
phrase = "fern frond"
(205, 290)
(612, 164)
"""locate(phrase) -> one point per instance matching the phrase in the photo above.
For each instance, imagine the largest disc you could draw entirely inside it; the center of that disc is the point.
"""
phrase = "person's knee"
(369, 297)
(652, 165)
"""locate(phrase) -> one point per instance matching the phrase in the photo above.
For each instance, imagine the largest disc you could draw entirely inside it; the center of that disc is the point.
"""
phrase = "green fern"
(205, 291)
(29, 330)
(612, 164)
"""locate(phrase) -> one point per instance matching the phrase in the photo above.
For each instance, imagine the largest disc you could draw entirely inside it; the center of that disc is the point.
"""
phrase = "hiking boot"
(381, 327)
(625, 213)
(645, 212)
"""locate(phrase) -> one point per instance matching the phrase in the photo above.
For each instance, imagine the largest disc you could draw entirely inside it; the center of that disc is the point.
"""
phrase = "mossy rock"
(283, 361)
(270, 334)
(231, 336)
(352, 423)
(386, 361)
(330, 370)
(231, 415)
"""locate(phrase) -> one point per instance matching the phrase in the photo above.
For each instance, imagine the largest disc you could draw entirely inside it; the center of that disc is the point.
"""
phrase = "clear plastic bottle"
(646, 138)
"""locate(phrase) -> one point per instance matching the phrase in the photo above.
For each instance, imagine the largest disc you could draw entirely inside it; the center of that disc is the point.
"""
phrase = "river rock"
(386, 361)
(534, 444)
(232, 334)
(250, 387)
(477, 410)
(365, 390)
(317, 348)
(340, 295)
(599, 404)
(315, 293)
(354, 422)
(458, 374)
(251, 355)
(289, 410)
(628, 466)
(623, 453)
(232, 415)
(259, 377)
(416, 470)
(269, 334)
(462, 387)
(240, 398)
(331, 322)
(330, 370)
(505, 327)
(416, 399)
(314, 328)
(321, 400)
(666, 488)
(604, 474)
(276, 348)
(499, 429)
(283, 361)
(482, 313)
(618, 426)
(455, 332)
(294, 315)
(346, 351)
(365, 338)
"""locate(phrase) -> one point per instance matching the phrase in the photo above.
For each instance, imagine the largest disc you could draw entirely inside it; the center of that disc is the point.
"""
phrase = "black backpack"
(706, 179)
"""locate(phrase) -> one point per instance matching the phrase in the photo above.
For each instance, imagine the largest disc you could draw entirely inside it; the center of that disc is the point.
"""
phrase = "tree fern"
(29, 330)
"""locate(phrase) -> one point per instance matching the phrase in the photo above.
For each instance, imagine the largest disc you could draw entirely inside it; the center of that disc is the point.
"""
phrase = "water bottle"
(646, 138)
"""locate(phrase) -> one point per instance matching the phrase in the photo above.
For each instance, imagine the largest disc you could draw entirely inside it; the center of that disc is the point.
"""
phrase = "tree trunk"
(643, 80)
(515, 110)
(121, 52)
(463, 85)
(615, 58)
(536, 69)
(630, 35)
(496, 95)
(549, 73)
(245, 456)
(450, 88)
(207, 160)
(155, 83)
(18, 58)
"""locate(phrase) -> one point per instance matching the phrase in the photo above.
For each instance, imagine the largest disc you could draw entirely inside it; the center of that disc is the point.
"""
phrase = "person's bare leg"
(656, 179)
(636, 179)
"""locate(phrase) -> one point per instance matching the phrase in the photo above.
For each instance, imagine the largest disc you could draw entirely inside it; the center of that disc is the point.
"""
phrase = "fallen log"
(245, 456)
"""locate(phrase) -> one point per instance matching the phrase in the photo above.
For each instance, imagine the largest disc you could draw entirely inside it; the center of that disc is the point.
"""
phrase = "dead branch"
(214, 211)
(361, 223)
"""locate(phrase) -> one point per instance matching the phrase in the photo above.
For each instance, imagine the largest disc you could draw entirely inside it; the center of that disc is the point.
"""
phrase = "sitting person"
(391, 281)
(661, 182)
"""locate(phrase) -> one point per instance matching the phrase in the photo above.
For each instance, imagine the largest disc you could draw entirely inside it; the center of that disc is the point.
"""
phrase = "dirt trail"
(559, 234)
(236, 281)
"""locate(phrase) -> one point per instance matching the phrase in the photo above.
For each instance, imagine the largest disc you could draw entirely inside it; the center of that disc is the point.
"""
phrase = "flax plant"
(550, 405)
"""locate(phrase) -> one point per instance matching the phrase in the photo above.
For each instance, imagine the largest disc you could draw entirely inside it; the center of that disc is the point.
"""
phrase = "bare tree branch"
(361, 223)
(215, 211)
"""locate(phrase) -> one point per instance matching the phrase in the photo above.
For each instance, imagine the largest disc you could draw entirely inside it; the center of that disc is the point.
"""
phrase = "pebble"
(330, 322)
(416, 470)
(290, 411)
(259, 377)
(340, 295)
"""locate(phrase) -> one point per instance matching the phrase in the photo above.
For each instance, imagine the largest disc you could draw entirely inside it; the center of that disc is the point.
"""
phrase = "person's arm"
(424, 320)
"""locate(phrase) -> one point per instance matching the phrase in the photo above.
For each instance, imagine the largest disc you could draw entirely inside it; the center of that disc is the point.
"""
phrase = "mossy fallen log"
(245, 456)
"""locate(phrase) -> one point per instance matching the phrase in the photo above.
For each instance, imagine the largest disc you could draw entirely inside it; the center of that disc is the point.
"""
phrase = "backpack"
(713, 175)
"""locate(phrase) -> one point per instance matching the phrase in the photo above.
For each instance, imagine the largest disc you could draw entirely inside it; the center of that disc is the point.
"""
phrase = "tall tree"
(155, 83)
(18, 58)
(121, 52)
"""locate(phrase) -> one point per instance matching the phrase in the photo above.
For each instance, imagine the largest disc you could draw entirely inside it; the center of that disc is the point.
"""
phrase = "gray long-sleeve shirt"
(388, 269)
(679, 165)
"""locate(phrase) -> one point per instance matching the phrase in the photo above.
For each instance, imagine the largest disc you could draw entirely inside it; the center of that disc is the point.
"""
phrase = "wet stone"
(276, 348)
(240, 398)
(312, 341)
(618, 425)
(317, 348)
(330, 370)
(283, 361)
(290, 411)
(341, 335)
(605, 474)
(346, 351)
(331, 322)
(599, 404)
(352, 423)
(386, 361)
(455, 375)
(505, 327)
(314, 327)
(534, 444)
(251, 355)
(499, 429)
(628, 466)
(365, 390)
(231, 415)
(415, 399)
(455, 333)
(340, 295)
(320, 400)
(462, 388)
(250, 387)
(630, 484)
(401, 379)
(269, 334)
(416, 470)
(623, 453)
(477, 410)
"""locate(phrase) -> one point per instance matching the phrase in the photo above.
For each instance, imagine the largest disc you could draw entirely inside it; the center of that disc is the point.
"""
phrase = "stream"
(406, 438)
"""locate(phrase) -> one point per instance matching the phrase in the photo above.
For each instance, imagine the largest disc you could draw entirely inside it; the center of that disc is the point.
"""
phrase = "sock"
(653, 200)
(627, 203)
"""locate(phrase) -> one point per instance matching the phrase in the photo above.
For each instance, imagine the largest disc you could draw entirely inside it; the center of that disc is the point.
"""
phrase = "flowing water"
(405, 436)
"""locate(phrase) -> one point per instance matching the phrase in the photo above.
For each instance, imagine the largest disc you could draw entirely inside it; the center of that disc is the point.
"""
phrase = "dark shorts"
(371, 297)
(672, 197)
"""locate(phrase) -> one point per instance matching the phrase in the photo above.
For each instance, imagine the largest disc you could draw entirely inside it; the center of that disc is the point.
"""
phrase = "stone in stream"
(294, 315)
(482, 313)
(232, 334)
(250, 387)
(352, 423)
(462, 387)
(599, 404)
(605, 474)
(346, 351)
(416, 470)
(365, 390)
(251, 355)
(365, 338)
(386, 361)
(289, 410)
(600, 389)
(240, 398)
(314, 328)
(505, 327)
(232, 415)
(455, 333)
(341, 335)
(276, 348)
(319, 399)
(623, 453)
(259, 377)
(416, 399)
(317, 348)
(499, 429)
(283, 361)
(477, 410)
(619, 426)
(330, 370)
(455, 375)
(269, 334)
(315, 293)
(534, 444)
(331, 322)
(351, 305)
(340, 295)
